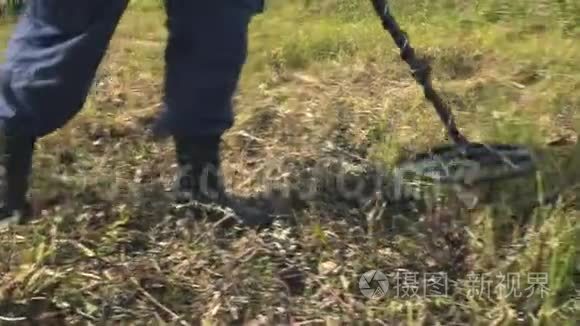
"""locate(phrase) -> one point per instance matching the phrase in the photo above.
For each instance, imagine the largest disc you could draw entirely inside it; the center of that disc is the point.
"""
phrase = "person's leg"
(51, 61)
(206, 50)
(50, 64)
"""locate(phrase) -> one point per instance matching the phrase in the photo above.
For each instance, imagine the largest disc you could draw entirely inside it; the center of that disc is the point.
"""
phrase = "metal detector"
(462, 162)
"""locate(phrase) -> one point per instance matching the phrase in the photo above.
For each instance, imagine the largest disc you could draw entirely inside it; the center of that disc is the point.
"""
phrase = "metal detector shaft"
(420, 69)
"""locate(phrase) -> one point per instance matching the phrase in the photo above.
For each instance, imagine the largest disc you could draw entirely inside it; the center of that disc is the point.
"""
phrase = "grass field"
(323, 87)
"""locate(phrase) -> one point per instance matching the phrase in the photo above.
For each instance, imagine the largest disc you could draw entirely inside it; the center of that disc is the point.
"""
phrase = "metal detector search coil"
(469, 165)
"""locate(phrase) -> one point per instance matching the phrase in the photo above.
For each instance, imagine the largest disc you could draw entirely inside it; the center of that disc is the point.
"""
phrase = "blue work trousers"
(57, 46)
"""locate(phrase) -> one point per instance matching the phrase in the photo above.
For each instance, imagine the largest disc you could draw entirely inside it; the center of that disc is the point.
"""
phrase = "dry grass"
(328, 99)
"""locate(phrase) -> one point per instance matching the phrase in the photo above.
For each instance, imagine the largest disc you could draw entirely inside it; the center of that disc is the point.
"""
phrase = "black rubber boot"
(201, 181)
(16, 162)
